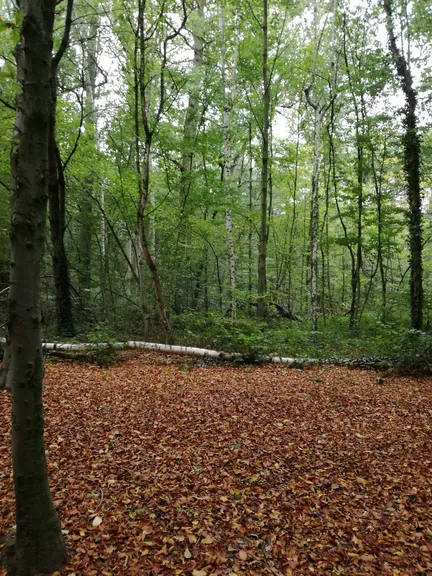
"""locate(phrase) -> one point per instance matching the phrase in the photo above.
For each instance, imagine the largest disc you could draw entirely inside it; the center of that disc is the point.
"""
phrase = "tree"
(264, 233)
(39, 546)
(57, 201)
(228, 90)
(412, 150)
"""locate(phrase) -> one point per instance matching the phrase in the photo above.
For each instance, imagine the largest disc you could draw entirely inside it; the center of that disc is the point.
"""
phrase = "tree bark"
(192, 117)
(262, 257)
(228, 167)
(148, 258)
(314, 218)
(57, 202)
(319, 115)
(250, 206)
(86, 206)
(412, 148)
(39, 544)
(359, 111)
(190, 136)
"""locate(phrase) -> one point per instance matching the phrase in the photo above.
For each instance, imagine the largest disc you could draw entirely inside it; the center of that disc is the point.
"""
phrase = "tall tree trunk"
(228, 167)
(250, 231)
(190, 135)
(57, 202)
(138, 248)
(104, 265)
(314, 219)
(294, 217)
(359, 111)
(192, 116)
(318, 119)
(39, 545)
(412, 170)
(57, 216)
(262, 257)
(380, 259)
(86, 206)
(144, 244)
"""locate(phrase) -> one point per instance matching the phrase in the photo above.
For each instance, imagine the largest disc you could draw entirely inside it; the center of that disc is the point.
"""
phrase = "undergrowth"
(405, 350)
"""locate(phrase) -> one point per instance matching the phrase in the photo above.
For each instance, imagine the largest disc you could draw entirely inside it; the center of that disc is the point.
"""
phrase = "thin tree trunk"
(39, 544)
(319, 114)
(250, 231)
(103, 270)
(192, 116)
(190, 135)
(294, 217)
(314, 219)
(138, 249)
(359, 116)
(332, 160)
(57, 215)
(228, 168)
(57, 201)
(86, 207)
(412, 148)
(262, 257)
(144, 245)
(378, 195)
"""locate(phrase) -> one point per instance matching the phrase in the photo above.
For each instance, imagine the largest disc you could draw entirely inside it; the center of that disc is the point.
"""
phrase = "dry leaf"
(97, 521)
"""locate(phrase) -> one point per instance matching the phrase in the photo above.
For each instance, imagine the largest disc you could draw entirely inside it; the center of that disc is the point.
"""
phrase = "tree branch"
(65, 40)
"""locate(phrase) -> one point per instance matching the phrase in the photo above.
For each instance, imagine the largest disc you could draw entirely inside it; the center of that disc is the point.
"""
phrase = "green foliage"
(98, 334)
(104, 356)
(403, 349)
(412, 352)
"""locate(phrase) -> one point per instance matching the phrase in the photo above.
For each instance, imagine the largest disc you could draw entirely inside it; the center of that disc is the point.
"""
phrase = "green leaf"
(19, 17)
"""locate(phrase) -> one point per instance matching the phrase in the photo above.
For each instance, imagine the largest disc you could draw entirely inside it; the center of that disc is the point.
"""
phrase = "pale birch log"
(169, 349)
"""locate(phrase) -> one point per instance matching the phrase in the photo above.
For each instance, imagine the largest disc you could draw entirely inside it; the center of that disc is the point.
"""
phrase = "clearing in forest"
(161, 465)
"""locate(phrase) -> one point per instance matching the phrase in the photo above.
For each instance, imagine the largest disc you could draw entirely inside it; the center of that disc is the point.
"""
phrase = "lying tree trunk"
(82, 350)
(285, 312)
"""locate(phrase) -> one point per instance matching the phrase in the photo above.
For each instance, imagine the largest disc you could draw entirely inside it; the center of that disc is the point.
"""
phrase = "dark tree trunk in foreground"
(39, 545)
(412, 171)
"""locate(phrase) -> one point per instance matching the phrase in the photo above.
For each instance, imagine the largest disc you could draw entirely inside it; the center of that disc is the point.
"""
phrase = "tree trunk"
(380, 258)
(294, 217)
(57, 201)
(39, 545)
(190, 135)
(250, 205)
(57, 216)
(412, 170)
(149, 260)
(262, 257)
(192, 117)
(86, 207)
(228, 168)
(314, 219)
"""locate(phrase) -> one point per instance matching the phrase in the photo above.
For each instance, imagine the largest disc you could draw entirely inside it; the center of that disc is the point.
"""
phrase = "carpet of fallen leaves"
(161, 465)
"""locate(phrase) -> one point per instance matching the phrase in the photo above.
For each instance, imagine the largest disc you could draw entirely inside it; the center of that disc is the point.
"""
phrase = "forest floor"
(164, 465)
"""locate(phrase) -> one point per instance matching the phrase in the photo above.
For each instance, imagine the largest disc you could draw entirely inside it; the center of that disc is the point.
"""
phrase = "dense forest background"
(236, 174)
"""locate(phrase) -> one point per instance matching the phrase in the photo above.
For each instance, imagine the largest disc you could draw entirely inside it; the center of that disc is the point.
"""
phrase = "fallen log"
(300, 362)
(168, 349)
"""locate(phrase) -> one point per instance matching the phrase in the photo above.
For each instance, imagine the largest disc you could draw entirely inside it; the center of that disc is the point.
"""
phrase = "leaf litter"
(161, 465)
